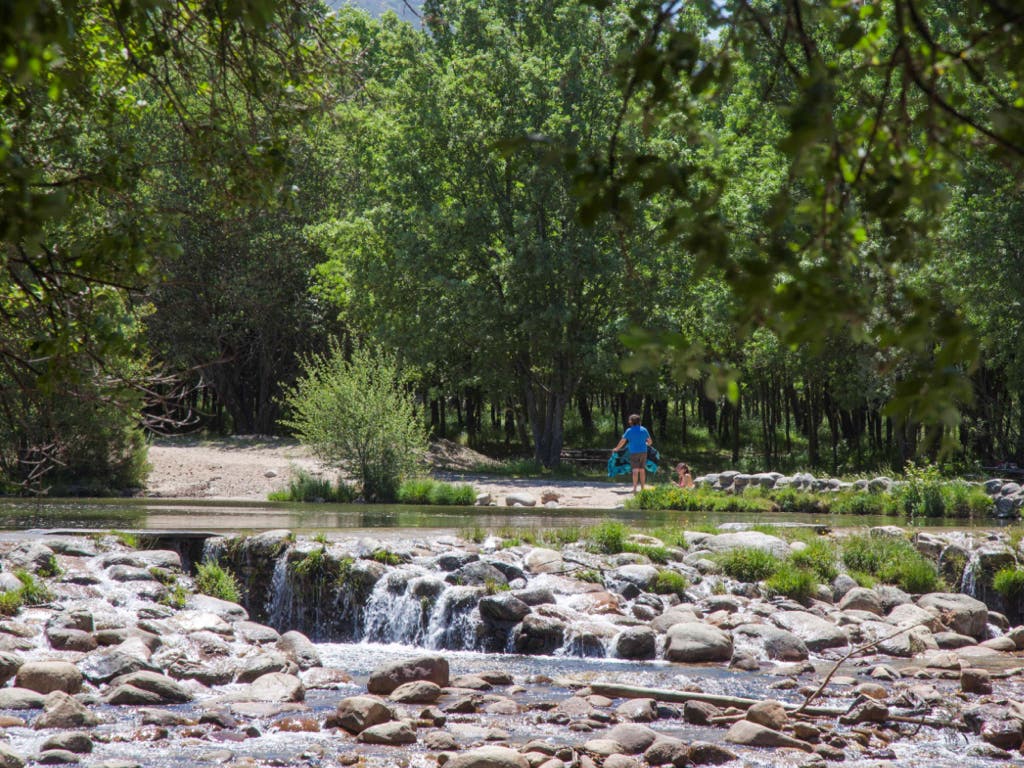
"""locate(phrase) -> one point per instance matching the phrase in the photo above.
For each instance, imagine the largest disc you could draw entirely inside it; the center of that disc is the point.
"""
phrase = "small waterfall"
(396, 611)
(280, 608)
(455, 619)
(969, 582)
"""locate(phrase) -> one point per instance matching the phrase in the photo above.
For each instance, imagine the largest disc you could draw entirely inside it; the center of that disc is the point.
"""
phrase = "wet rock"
(678, 614)
(325, 678)
(357, 713)
(988, 752)
(861, 599)
(63, 711)
(297, 648)
(256, 634)
(706, 753)
(167, 690)
(975, 681)
(724, 542)
(816, 633)
(272, 687)
(638, 710)
(416, 692)
(633, 739)
(392, 733)
(539, 560)
(1005, 733)
(695, 642)
(636, 643)
(538, 634)
(9, 758)
(478, 574)
(489, 757)
(129, 695)
(668, 751)
(224, 609)
(534, 596)
(440, 741)
(20, 698)
(164, 718)
(387, 678)
(472, 682)
(503, 607)
(455, 559)
(631, 580)
(869, 711)
(72, 741)
(262, 664)
(770, 714)
(206, 673)
(10, 663)
(66, 639)
(47, 676)
(620, 761)
(745, 661)
(56, 757)
(30, 556)
(603, 747)
(960, 613)
(778, 644)
(700, 712)
(751, 734)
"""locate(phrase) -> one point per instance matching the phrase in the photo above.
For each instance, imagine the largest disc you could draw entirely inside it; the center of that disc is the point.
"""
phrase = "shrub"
(921, 494)
(10, 602)
(305, 487)
(609, 537)
(358, 413)
(427, 491)
(217, 581)
(793, 582)
(791, 500)
(670, 583)
(859, 503)
(33, 591)
(696, 500)
(748, 564)
(963, 500)
(1009, 583)
(818, 557)
(891, 561)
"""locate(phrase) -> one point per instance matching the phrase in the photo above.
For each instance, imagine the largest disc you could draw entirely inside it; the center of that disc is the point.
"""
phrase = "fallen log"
(616, 691)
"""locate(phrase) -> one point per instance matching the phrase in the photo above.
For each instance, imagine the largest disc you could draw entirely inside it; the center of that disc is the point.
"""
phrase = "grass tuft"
(215, 580)
(305, 487)
(435, 492)
(748, 564)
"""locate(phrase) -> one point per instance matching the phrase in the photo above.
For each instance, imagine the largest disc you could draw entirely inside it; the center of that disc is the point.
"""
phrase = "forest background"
(788, 234)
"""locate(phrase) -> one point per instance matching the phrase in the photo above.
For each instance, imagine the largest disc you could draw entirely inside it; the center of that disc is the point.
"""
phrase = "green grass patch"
(435, 492)
(1009, 583)
(670, 583)
(215, 580)
(890, 561)
(791, 581)
(589, 575)
(792, 501)
(748, 564)
(306, 488)
(819, 557)
(696, 500)
(31, 592)
(387, 557)
(609, 537)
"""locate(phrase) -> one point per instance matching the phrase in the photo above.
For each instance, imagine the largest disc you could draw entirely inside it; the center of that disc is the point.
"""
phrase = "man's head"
(634, 420)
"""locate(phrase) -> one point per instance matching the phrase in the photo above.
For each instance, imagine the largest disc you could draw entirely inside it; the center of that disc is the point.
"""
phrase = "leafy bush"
(427, 491)
(609, 537)
(696, 500)
(1009, 583)
(748, 564)
(358, 413)
(860, 503)
(670, 583)
(891, 561)
(921, 494)
(791, 581)
(964, 500)
(818, 557)
(217, 581)
(306, 487)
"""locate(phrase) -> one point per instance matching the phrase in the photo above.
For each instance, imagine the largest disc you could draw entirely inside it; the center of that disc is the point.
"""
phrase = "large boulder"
(386, 678)
(297, 647)
(274, 687)
(636, 643)
(817, 634)
(49, 676)
(633, 738)
(357, 713)
(390, 734)
(503, 607)
(752, 734)
(61, 710)
(489, 757)
(541, 560)
(778, 644)
(961, 613)
(538, 634)
(169, 691)
(693, 642)
(724, 542)
(862, 599)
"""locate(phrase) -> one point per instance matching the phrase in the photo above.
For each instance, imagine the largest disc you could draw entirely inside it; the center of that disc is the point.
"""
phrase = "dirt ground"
(247, 468)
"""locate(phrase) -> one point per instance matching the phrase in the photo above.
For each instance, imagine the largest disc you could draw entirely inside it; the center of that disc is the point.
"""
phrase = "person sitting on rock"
(685, 478)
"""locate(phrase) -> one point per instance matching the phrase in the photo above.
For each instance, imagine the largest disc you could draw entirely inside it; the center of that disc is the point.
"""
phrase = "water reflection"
(157, 514)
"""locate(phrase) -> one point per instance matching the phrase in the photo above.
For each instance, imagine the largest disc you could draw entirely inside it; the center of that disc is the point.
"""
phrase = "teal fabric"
(618, 463)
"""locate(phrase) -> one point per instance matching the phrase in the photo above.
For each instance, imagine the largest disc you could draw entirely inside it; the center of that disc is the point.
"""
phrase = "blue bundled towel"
(618, 464)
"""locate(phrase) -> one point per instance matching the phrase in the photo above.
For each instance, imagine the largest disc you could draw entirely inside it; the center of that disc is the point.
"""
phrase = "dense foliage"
(786, 234)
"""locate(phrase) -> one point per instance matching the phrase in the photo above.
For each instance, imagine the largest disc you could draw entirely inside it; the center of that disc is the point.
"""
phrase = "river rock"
(724, 542)
(61, 710)
(778, 644)
(477, 574)
(357, 713)
(29, 556)
(911, 615)
(489, 757)
(416, 692)
(708, 753)
(387, 678)
(274, 687)
(263, 664)
(297, 647)
(10, 663)
(391, 734)
(678, 614)
(960, 613)
(538, 634)
(816, 633)
(633, 739)
(503, 607)
(975, 681)
(667, 750)
(256, 634)
(47, 676)
(225, 609)
(9, 758)
(78, 742)
(539, 560)
(169, 691)
(861, 599)
(694, 642)
(104, 665)
(770, 714)
(638, 710)
(751, 734)
(636, 643)
(129, 695)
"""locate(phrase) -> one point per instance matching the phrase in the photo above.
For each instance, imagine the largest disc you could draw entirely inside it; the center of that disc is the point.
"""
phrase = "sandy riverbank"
(250, 467)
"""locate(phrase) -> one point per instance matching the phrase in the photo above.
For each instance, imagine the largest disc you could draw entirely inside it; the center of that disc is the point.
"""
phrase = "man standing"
(637, 438)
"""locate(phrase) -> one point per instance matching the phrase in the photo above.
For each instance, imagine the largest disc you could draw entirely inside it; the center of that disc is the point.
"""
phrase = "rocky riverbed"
(528, 656)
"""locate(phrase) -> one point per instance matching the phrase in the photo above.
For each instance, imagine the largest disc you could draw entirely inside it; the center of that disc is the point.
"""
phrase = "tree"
(358, 414)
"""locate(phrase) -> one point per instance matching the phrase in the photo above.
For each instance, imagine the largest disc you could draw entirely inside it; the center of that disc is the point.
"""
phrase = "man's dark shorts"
(638, 460)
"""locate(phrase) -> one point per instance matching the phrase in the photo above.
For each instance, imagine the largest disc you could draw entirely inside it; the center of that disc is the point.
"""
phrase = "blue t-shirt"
(636, 439)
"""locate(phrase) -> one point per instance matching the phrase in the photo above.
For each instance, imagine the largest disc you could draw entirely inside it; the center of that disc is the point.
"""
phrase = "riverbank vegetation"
(545, 217)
